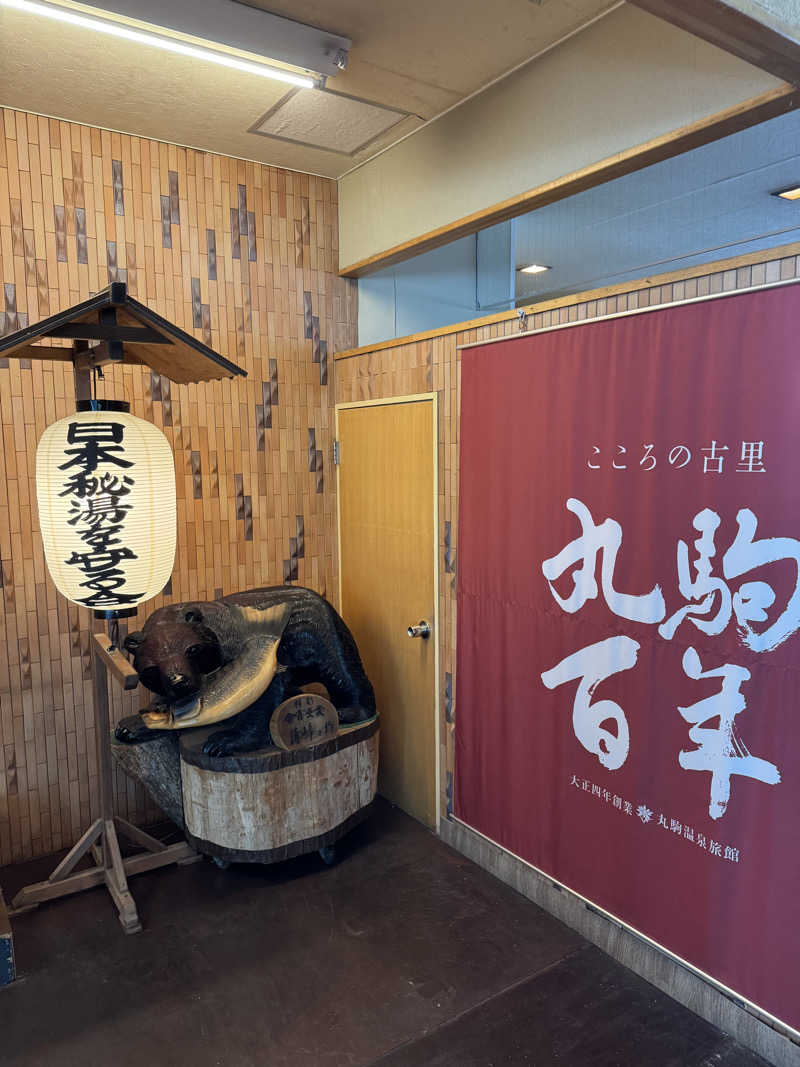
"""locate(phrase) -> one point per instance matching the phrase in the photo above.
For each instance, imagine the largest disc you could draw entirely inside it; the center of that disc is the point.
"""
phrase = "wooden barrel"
(272, 804)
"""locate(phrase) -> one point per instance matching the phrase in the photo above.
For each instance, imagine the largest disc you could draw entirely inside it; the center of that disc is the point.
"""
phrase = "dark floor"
(403, 954)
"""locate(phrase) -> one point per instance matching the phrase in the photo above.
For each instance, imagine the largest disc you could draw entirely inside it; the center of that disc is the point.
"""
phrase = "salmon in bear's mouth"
(236, 685)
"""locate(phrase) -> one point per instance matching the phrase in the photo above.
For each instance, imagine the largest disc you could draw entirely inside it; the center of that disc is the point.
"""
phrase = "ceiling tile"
(327, 120)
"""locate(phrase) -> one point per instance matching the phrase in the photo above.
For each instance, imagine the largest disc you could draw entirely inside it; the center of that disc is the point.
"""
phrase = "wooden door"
(387, 557)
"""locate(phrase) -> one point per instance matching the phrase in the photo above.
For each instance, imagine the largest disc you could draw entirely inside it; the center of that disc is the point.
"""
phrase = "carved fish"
(236, 685)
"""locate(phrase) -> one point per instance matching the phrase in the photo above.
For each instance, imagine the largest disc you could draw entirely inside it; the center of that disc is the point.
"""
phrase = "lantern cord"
(97, 372)
(113, 632)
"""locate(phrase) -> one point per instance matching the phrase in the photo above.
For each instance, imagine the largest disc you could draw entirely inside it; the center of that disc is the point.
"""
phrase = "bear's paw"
(223, 743)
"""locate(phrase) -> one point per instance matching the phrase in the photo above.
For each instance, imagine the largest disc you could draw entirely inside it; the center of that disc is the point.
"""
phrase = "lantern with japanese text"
(105, 484)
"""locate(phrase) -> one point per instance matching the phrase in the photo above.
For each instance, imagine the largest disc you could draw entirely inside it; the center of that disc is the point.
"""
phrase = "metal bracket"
(340, 57)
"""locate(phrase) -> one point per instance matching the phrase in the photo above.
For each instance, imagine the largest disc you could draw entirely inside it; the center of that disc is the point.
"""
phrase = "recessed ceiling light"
(790, 194)
(533, 268)
(154, 40)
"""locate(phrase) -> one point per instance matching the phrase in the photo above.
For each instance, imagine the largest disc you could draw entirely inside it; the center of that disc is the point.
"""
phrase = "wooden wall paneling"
(80, 207)
(432, 361)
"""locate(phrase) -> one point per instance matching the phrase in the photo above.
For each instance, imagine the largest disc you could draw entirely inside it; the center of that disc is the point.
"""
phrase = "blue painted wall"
(469, 277)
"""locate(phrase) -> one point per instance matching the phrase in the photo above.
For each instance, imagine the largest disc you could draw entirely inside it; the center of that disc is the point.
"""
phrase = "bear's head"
(180, 645)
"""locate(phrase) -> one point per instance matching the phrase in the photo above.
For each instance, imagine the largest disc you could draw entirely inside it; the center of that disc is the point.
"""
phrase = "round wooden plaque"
(303, 721)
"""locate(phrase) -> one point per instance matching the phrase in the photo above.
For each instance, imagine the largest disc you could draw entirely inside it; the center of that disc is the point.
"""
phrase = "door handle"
(422, 629)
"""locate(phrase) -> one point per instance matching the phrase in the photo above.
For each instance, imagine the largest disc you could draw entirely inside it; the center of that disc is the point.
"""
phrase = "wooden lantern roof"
(111, 327)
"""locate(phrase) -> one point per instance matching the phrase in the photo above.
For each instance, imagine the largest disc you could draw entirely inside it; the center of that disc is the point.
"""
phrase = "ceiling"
(417, 58)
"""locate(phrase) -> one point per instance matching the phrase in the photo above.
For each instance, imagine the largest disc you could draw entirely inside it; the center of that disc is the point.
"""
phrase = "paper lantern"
(105, 484)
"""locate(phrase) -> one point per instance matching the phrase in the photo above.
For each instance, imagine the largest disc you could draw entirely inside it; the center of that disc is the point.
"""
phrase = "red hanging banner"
(628, 706)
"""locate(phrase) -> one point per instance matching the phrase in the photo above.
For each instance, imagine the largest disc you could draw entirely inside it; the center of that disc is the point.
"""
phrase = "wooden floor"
(403, 954)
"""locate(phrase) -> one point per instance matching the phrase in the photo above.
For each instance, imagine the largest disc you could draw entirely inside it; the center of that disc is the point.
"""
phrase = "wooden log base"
(272, 804)
(325, 844)
(110, 869)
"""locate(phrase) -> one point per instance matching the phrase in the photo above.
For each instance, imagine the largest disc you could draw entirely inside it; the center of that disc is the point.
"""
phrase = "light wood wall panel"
(242, 255)
(433, 363)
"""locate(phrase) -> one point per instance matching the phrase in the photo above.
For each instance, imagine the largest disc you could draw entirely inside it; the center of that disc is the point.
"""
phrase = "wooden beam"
(98, 354)
(101, 838)
(39, 892)
(95, 354)
(115, 662)
(741, 27)
(107, 317)
(81, 370)
(138, 836)
(92, 331)
(176, 354)
(700, 270)
(42, 352)
(77, 852)
(769, 105)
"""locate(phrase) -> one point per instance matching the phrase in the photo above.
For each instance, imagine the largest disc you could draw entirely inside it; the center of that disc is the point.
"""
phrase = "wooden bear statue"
(236, 659)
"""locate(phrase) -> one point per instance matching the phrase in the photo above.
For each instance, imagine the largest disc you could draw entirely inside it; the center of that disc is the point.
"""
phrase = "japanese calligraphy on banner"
(629, 623)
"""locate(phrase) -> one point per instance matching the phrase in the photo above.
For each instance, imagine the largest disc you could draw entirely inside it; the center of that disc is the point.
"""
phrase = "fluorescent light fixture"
(789, 194)
(154, 40)
(533, 268)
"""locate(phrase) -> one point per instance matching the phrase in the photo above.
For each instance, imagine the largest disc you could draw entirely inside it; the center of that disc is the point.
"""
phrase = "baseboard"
(741, 1020)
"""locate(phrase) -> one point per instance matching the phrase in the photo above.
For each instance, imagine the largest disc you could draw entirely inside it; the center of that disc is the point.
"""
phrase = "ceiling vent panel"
(331, 121)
